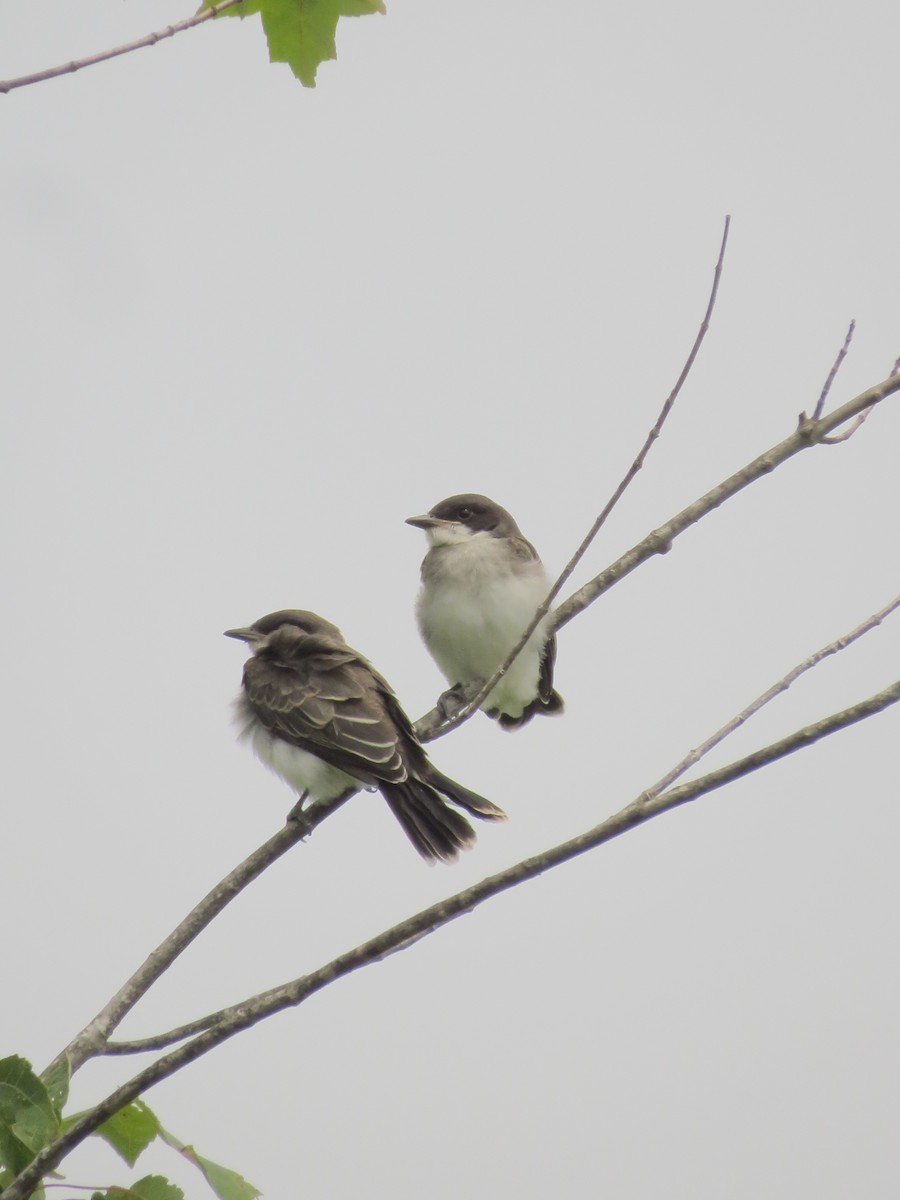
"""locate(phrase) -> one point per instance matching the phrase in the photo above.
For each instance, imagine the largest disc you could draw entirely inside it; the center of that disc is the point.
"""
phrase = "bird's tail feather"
(470, 801)
(436, 830)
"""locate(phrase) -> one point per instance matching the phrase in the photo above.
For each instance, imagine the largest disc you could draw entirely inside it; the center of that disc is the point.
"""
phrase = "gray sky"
(248, 329)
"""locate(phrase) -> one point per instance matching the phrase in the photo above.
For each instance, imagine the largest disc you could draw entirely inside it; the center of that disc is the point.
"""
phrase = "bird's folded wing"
(333, 711)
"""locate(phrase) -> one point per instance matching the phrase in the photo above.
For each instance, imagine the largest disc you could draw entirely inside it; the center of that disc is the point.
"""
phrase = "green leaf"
(56, 1081)
(14, 1154)
(227, 1184)
(28, 1120)
(130, 1131)
(301, 33)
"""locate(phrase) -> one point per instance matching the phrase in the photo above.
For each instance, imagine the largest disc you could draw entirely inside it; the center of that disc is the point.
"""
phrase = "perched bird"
(324, 720)
(482, 583)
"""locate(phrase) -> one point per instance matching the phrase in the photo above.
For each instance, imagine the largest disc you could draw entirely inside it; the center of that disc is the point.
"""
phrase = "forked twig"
(92, 1040)
(809, 433)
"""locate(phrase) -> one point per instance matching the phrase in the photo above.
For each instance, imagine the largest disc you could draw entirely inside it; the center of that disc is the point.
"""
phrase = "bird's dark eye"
(464, 513)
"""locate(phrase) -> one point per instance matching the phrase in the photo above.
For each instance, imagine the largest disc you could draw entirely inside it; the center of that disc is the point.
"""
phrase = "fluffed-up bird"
(322, 718)
(482, 583)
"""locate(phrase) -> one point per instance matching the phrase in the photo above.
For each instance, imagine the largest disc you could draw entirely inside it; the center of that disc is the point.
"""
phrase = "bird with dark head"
(482, 583)
(322, 718)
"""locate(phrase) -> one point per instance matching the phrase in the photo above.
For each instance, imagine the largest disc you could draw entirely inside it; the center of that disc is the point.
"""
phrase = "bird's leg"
(298, 816)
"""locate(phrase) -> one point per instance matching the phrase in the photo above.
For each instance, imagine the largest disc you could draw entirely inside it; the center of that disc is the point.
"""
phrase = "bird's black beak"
(426, 521)
(244, 635)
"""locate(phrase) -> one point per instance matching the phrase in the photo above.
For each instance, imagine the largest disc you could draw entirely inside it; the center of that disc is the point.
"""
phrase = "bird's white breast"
(474, 607)
(302, 770)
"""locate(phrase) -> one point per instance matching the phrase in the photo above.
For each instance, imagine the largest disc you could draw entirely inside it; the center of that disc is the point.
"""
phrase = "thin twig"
(761, 701)
(836, 366)
(8, 85)
(837, 438)
(289, 995)
(160, 1040)
(475, 695)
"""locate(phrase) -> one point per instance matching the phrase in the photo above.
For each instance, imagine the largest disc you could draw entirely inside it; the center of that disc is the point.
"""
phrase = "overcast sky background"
(249, 328)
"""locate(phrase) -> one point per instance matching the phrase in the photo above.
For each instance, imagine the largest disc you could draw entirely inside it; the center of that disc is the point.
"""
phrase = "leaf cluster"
(31, 1116)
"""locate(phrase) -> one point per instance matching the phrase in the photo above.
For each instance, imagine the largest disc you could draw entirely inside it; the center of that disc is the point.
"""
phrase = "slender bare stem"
(836, 438)
(836, 366)
(477, 693)
(150, 39)
(776, 689)
(289, 995)
(159, 1041)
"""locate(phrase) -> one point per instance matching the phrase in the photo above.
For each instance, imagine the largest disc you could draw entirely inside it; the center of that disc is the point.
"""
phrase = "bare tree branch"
(92, 1039)
(8, 85)
(475, 693)
(289, 995)
(809, 433)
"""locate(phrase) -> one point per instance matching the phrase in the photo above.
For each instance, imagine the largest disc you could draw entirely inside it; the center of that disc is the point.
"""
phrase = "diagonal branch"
(150, 39)
(476, 693)
(251, 1012)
